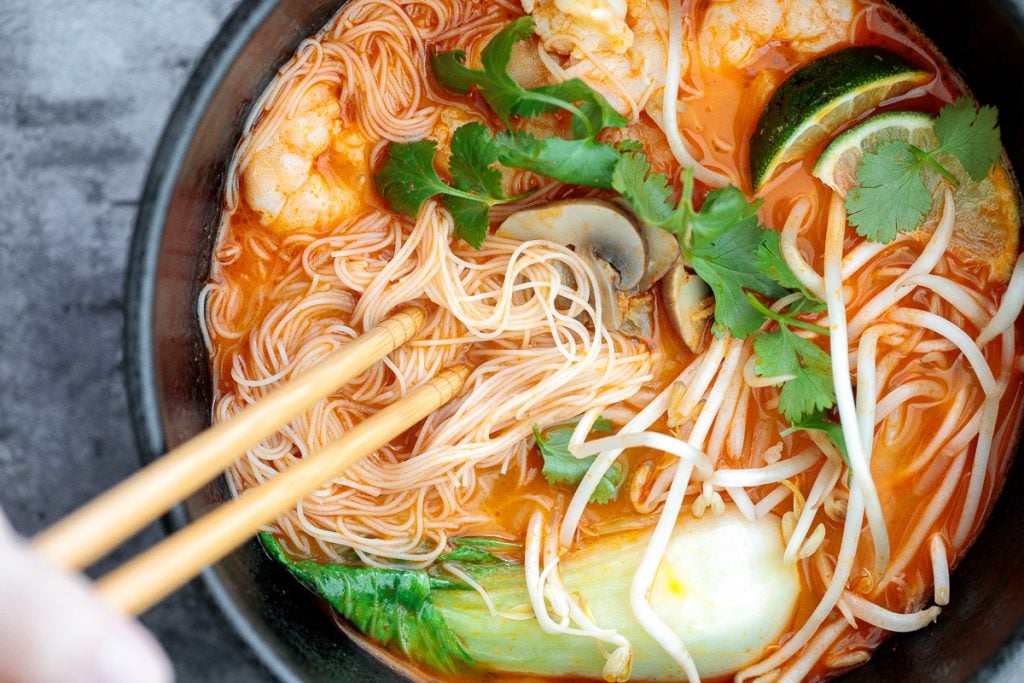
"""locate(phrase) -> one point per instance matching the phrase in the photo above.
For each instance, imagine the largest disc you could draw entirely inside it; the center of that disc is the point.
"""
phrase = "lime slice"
(987, 211)
(818, 98)
(837, 166)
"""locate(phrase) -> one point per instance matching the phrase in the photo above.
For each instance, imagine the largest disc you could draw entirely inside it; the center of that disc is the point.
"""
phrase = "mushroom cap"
(662, 253)
(689, 303)
(587, 225)
(604, 275)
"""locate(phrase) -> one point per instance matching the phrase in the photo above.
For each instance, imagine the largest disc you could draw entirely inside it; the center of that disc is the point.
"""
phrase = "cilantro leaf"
(471, 217)
(407, 178)
(473, 154)
(724, 209)
(783, 352)
(820, 422)
(648, 193)
(494, 82)
(561, 467)
(508, 99)
(726, 264)
(970, 134)
(770, 262)
(891, 196)
(578, 162)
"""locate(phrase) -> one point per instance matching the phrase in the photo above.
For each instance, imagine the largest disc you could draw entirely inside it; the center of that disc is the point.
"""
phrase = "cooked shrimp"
(733, 31)
(579, 27)
(313, 171)
(619, 48)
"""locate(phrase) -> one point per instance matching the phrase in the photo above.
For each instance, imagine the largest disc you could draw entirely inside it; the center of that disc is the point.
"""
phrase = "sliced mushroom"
(587, 225)
(605, 276)
(637, 314)
(689, 303)
(662, 253)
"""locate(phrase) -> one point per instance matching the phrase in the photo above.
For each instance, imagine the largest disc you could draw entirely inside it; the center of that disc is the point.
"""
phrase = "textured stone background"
(83, 97)
(84, 94)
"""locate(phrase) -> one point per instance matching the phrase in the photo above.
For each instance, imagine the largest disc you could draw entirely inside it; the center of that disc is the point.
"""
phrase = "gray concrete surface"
(84, 92)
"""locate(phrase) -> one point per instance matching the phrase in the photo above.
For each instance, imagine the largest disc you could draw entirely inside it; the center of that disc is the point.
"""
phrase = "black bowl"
(169, 385)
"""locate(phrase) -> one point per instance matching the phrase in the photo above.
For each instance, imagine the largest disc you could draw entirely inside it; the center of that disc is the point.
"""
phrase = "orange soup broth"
(726, 114)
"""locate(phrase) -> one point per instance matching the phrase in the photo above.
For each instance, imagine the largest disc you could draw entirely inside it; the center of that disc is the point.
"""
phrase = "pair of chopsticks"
(98, 527)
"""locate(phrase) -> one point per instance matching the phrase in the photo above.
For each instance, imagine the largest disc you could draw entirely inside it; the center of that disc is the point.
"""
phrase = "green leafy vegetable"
(561, 467)
(783, 352)
(770, 262)
(577, 162)
(891, 196)
(391, 606)
(477, 551)
(475, 642)
(720, 241)
(407, 179)
(821, 422)
(971, 135)
(509, 99)
(469, 555)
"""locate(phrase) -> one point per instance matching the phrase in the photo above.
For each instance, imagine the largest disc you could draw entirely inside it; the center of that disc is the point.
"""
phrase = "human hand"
(55, 629)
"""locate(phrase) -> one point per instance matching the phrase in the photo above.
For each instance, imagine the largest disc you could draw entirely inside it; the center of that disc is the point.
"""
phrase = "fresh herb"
(719, 241)
(821, 422)
(782, 352)
(407, 179)
(770, 262)
(590, 112)
(891, 195)
(561, 467)
(577, 162)
(391, 606)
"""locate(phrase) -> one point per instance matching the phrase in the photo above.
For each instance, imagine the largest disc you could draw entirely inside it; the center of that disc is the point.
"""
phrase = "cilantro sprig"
(723, 241)
(782, 352)
(408, 178)
(590, 112)
(891, 195)
(562, 467)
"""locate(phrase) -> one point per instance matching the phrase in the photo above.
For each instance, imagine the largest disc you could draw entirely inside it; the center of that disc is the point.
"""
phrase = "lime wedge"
(822, 96)
(987, 211)
(837, 166)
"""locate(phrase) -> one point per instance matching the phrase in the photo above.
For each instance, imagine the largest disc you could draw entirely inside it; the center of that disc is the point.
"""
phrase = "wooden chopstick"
(107, 521)
(147, 579)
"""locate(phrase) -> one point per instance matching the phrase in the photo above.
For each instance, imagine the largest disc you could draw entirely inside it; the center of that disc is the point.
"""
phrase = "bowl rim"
(150, 226)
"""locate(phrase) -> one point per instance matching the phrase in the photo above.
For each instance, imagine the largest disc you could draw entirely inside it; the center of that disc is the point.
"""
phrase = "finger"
(54, 628)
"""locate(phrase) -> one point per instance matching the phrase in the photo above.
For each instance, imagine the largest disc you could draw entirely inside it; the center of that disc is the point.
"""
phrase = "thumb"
(53, 627)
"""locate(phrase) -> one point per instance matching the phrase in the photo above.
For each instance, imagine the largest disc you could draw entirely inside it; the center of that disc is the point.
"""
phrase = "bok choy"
(723, 587)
